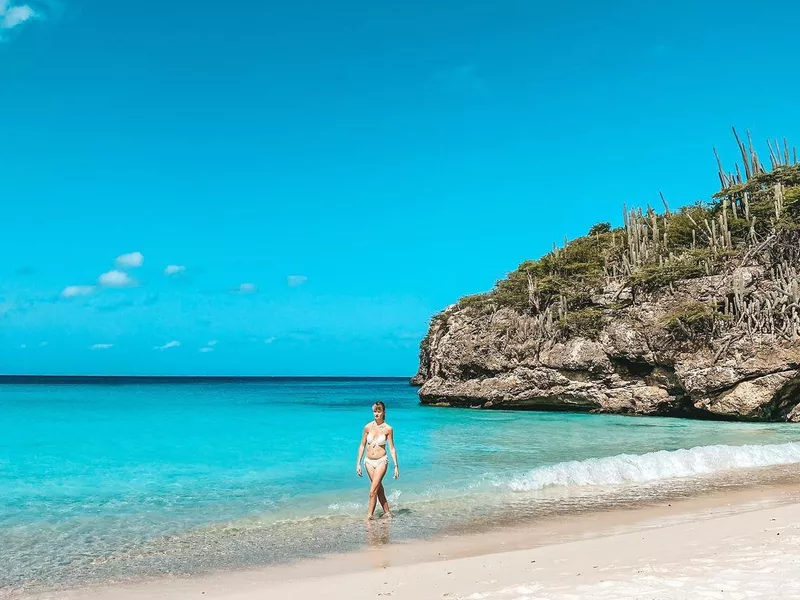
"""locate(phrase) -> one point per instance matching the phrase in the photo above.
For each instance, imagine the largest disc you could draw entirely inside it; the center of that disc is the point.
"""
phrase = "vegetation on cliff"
(753, 221)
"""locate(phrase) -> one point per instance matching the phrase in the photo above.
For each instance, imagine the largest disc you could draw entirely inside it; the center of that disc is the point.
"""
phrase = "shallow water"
(102, 482)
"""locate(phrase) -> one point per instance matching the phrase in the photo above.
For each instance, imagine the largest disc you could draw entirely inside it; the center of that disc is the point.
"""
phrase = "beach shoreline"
(680, 548)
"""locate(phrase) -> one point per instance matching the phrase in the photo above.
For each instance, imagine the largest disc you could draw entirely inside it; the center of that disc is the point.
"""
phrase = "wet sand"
(737, 544)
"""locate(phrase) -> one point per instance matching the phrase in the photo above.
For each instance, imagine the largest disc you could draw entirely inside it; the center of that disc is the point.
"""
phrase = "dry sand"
(744, 544)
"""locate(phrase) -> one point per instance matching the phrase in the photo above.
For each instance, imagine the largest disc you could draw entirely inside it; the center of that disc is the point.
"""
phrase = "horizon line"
(32, 379)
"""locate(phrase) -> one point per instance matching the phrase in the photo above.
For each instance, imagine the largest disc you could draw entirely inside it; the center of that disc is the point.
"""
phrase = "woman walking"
(377, 433)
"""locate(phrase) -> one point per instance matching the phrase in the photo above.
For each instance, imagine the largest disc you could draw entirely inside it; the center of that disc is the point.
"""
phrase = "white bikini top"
(378, 441)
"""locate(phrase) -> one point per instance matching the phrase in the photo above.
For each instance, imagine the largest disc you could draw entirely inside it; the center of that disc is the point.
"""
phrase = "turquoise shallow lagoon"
(105, 482)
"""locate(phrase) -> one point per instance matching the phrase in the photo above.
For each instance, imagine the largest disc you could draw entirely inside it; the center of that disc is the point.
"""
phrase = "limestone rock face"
(488, 359)
(751, 399)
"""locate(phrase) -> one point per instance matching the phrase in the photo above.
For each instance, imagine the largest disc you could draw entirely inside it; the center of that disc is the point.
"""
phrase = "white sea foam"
(349, 506)
(654, 466)
(346, 506)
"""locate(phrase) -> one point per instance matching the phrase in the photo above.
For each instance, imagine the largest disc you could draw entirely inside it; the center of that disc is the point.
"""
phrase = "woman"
(374, 438)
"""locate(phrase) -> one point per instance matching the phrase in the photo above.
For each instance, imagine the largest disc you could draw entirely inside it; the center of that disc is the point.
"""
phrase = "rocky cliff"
(694, 313)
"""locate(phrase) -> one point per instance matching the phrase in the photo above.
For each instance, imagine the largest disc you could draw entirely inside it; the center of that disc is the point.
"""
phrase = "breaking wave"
(654, 466)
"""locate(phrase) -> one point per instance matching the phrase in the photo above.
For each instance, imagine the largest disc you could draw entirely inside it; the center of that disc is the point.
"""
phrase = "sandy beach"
(742, 544)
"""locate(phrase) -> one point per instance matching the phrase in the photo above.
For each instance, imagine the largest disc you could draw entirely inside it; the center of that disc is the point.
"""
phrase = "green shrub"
(691, 320)
(680, 225)
(476, 301)
(599, 228)
(792, 205)
(689, 265)
(512, 291)
(587, 322)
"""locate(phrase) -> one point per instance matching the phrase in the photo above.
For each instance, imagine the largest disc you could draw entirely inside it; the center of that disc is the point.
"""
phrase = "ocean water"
(112, 482)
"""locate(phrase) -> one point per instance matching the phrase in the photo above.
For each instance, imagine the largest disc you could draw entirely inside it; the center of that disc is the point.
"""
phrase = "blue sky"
(323, 177)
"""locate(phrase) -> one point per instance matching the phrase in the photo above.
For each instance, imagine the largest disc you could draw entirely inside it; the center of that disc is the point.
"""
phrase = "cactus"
(750, 225)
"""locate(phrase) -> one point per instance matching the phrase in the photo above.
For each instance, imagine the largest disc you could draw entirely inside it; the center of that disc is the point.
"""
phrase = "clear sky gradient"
(322, 177)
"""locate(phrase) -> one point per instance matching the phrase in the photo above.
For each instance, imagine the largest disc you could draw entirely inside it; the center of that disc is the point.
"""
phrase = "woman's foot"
(387, 515)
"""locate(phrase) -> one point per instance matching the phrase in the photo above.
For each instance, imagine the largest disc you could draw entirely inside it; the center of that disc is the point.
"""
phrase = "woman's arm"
(361, 450)
(390, 438)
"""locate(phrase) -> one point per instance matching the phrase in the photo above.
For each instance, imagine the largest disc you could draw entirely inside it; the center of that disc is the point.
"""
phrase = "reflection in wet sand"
(377, 531)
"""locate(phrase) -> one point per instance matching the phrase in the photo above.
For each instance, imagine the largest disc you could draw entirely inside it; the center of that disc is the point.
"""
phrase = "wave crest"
(655, 466)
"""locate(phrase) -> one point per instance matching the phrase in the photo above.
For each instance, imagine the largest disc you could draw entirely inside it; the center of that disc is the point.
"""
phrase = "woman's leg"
(382, 499)
(376, 479)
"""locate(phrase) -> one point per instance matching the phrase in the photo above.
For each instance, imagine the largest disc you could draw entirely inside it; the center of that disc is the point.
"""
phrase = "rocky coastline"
(694, 313)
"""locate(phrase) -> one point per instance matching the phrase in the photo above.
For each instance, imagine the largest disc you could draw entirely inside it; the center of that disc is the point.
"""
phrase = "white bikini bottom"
(377, 462)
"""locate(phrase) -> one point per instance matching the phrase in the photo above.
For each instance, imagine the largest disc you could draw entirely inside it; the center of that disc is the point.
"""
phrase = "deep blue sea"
(104, 482)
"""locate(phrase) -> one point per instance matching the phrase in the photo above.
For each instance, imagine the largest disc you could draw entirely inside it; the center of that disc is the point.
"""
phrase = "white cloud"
(247, 288)
(174, 270)
(269, 340)
(206, 349)
(296, 280)
(102, 346)
(72, 291)
(168, 345)
(116, 279)
(212, 343)
(14, 15)
(131, 260)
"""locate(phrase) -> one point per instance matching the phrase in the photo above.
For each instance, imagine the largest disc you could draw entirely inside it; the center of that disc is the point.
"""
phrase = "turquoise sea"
(111, 481)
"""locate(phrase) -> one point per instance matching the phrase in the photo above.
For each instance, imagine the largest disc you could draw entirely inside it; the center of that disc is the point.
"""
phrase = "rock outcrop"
(479, 361)
(639, 339)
